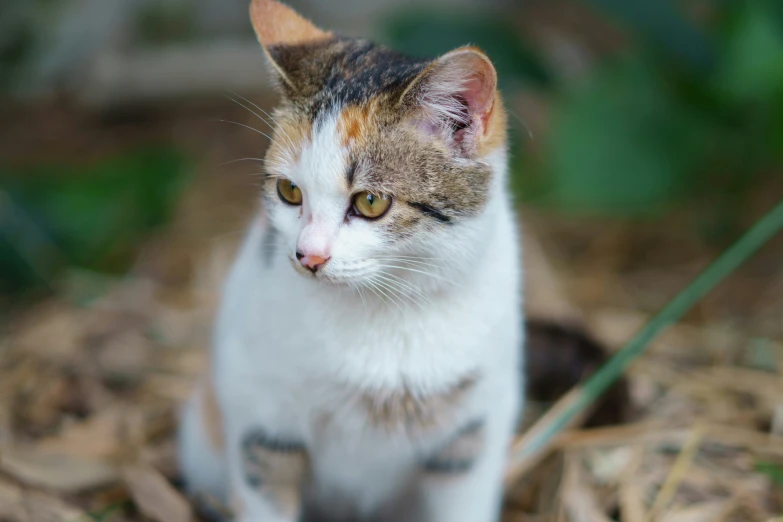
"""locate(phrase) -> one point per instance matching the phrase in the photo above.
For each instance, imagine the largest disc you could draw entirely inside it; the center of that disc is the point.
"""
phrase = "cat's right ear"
(281, 31)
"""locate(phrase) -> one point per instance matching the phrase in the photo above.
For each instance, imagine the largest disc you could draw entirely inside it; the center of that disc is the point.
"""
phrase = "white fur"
(292, 351)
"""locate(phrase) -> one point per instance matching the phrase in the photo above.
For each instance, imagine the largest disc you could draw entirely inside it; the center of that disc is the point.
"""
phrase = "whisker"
(240, 159)
(411, 261)
(274, 128)
(372, 288)
(400, 291)
(406, 284)
(395, 298)
(395, 291)
(247, 127)
(410, 257)
(361, 294)
(418, 272)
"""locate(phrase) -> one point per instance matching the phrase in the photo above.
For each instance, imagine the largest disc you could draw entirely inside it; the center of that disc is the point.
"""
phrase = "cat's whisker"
(430, 274)
(240, 159)
(423, 297)
(393, 290)
(247, 127)
(411, 290)
(409, 257)
(372, 287)
(361, 294)
(276, 125)
(378, 286)
(254, 113)
(410, 261)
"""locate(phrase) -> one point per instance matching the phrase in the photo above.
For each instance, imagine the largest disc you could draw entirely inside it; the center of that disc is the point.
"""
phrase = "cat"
(369, 343)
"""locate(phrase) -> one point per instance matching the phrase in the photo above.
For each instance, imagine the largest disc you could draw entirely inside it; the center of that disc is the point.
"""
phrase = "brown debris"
(155, 497)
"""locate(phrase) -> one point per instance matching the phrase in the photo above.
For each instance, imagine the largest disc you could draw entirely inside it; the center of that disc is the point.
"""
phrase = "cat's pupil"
(370, 199)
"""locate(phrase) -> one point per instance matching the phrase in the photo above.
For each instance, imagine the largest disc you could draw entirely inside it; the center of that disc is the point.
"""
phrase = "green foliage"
(688, 110)
(772, 470)
(752, 69)
(659, 25)
(89, 216)
(428, 33)
(621, 142)
(165, 22)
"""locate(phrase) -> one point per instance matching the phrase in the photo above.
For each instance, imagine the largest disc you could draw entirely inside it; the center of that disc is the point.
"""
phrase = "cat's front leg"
(463, 480)
(267, 473)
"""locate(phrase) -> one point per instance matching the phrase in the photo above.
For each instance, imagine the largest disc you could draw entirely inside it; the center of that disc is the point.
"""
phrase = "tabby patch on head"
(379, 161)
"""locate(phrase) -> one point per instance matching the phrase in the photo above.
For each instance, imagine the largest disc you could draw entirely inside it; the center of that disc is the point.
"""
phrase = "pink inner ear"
(479, 94)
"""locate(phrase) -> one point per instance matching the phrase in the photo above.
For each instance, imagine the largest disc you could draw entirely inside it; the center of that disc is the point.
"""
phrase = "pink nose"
(311, 262)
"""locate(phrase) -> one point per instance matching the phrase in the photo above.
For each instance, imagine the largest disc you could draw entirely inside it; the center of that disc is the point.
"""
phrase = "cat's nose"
(311, 262)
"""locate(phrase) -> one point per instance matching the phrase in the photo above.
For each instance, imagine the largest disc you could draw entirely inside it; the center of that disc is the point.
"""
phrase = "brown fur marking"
(406, 410)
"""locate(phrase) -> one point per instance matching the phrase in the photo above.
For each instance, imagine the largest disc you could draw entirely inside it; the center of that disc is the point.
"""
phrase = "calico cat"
(368, 350)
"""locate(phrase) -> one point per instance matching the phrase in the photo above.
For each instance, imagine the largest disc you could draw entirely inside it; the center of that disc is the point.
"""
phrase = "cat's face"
(381, 167)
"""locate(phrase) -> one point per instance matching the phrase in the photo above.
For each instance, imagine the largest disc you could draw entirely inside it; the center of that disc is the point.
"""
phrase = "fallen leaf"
(18, 505)
(154, 496)
(98, 436)
(59, 472)
(42, 507)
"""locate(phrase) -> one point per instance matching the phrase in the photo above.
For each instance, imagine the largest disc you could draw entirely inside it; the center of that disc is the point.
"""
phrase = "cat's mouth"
(356, 273)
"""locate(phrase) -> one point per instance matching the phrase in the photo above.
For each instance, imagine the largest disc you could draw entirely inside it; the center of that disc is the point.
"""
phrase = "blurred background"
(646, 137)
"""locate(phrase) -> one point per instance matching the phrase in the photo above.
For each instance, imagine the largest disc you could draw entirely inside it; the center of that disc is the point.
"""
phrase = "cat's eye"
(371, 206)
(289, 192)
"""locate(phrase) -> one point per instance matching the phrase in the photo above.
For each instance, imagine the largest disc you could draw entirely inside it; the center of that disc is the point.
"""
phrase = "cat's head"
(383, 168)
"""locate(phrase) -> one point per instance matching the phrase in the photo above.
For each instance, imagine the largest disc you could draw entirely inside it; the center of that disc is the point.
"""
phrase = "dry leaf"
(99, 436)
(11, 502)
(42, 507)
(18, 505)
(59, 472)
(155, 497)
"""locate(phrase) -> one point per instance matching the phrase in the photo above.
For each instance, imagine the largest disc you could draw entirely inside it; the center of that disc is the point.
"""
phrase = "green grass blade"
(570, 406)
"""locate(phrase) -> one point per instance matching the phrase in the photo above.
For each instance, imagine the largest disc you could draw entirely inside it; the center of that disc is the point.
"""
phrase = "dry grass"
(88, 392)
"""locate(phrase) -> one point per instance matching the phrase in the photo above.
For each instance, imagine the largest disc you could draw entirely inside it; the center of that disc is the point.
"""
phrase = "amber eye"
(371, 206)
(289, 192)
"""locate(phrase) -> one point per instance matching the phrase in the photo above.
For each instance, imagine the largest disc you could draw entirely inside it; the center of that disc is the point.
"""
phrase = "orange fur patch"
(495, 131)
(211, 415)
(278, 24)
(354, 124)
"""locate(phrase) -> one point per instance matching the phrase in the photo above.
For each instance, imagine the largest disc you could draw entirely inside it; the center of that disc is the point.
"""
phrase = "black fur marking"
(431, 212)
(257, 438)
(342, 71)
(459, 453)
(255, 465)
(435, 465)
(351, 174)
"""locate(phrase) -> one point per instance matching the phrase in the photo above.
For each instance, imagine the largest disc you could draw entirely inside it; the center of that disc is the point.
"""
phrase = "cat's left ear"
(281, 30)
(455, 98)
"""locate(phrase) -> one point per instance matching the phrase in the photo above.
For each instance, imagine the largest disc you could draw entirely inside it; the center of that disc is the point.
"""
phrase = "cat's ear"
(456, 99)
(279, 29)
